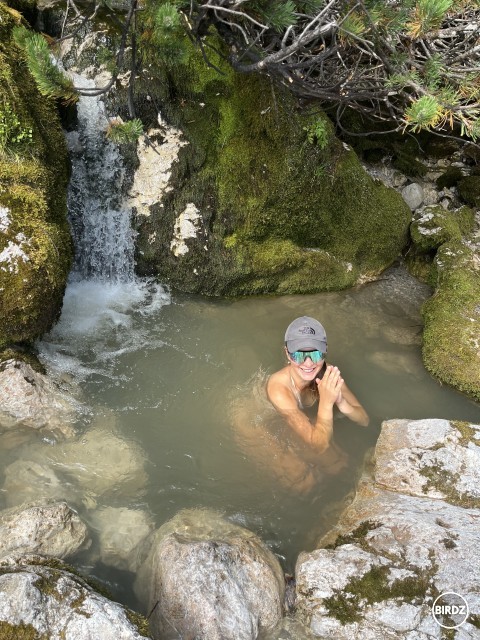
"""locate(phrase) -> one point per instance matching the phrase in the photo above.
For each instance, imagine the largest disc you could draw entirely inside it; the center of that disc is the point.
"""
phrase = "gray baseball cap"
(304, 334)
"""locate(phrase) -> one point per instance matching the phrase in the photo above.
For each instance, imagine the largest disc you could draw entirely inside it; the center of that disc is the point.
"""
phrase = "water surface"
(162, 370)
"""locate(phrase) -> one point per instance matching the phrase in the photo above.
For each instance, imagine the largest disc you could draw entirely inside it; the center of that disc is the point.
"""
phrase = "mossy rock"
(437, 225)
(35, 245)
(450, 178)
(451, 337)
(19, 632)
(469, 190)
(273, 176)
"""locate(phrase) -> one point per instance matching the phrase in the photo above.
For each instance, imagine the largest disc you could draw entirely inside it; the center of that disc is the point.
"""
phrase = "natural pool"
(160, 371)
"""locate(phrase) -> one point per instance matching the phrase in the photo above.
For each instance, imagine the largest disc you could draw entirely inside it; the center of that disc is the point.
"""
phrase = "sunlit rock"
(156, 156)
(50, 602)
(212, 580)
(392, 553)
(52, 530)
(437, 458)
(120, 531)
(28, 398)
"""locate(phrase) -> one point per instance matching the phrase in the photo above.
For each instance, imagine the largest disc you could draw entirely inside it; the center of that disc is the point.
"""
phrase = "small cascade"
(100, 221)
(104, 301)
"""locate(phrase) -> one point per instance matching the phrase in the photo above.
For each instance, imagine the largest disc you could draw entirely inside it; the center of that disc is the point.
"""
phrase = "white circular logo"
(450, 610)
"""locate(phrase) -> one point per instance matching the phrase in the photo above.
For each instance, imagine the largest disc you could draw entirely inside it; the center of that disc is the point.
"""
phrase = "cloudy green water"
(162, 371)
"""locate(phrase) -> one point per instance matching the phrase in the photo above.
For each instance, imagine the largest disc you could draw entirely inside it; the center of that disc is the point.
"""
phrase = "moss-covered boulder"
(469, 190)
(35, 246)
(282, 206)
(451, 338)
(437, 225)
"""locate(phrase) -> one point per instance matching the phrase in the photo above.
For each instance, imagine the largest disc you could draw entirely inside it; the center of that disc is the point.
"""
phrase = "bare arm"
(351, 407)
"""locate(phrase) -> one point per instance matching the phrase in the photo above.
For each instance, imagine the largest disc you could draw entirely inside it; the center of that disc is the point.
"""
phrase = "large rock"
(35, 246)
(451, 337)
(400, 543)
(28, 398)
(52, 530)
(41, 601)
(210, 580)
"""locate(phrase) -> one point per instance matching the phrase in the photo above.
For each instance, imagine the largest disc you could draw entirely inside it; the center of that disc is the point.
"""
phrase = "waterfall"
(100, 220)
(104, 298)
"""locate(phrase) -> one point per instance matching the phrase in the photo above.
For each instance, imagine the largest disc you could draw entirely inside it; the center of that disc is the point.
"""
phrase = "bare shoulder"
(278, 388)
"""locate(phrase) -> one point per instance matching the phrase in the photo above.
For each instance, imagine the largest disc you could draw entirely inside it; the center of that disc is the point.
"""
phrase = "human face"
(305, 365)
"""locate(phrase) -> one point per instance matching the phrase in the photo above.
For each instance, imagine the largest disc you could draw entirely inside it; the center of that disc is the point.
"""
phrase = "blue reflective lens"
(299, 357)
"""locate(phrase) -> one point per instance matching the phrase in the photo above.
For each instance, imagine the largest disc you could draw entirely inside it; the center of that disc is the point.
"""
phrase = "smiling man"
(306, 379)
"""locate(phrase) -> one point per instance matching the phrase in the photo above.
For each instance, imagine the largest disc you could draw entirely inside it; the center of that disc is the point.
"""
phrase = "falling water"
(100, 220)
(103, 296)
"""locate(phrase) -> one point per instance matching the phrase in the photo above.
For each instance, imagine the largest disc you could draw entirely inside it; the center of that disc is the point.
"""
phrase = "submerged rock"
(50, 602)
(210, 579)
(28, 398)
(400, 543)
(52, 530)
(120, 533)
(28, 481)
(99, 463)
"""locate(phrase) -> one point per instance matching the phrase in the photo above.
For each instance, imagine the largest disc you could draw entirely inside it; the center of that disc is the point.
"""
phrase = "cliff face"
(35, 246)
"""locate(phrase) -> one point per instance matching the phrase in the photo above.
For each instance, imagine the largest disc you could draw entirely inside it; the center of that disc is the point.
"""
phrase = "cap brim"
(306, 344)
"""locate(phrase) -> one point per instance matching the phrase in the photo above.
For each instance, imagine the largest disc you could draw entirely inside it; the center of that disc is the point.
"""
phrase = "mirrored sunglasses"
(299, 357)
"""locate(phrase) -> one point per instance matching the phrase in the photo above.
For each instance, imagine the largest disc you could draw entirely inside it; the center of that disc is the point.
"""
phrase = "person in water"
(308, 378)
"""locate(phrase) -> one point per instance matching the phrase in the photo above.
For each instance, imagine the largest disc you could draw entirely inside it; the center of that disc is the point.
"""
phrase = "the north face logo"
(308, 330)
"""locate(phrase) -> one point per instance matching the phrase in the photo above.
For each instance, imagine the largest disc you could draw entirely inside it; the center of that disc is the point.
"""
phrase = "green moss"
(440, 479)
(20, 632)
(409, 165)
(348, 604)
(469, 190)
(33, 185)
(467, 432)
(436, 226)
(450, 178)
(265, 172)
(450, 337)
(139, 622)
(357, 536)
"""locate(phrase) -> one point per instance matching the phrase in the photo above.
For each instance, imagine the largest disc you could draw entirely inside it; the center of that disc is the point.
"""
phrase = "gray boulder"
(210, 580)
(50, 602)
(411, 533)
(31, 399)
(52, 530)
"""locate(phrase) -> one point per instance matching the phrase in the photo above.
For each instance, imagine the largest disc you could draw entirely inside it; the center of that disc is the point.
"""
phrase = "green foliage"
(125, 132)
(353, 26)
(427, 16)
(278, 15)
(424, 113)
(162, 29)
(434, 71)
(12, 133)
(50, 80)
(318, 133)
